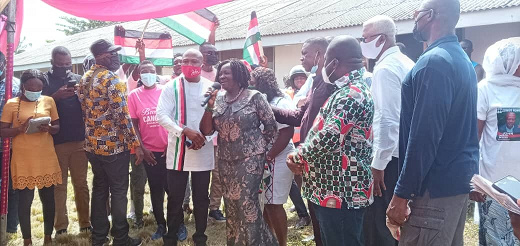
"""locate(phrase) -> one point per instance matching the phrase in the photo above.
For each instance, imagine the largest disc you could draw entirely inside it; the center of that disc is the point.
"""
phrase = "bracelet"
(208, 109)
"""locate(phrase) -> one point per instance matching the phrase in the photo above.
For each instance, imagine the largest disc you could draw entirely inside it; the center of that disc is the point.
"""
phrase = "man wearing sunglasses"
(438, 142)
(378, 42)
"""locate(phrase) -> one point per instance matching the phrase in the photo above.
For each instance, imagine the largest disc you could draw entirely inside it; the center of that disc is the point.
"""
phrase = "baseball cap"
(103, 46)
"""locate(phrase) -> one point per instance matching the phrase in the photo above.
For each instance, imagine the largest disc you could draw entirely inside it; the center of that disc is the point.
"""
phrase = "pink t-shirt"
(142, 104)
(209, 75)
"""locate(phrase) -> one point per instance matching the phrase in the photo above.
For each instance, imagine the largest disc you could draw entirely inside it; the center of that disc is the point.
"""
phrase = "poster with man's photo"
(508, 120)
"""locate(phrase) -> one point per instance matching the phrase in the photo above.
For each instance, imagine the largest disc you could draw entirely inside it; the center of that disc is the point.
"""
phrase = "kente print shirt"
(337, 152)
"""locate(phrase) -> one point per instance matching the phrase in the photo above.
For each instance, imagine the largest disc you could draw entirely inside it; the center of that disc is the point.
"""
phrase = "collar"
(445, 39)
(356, 74)
(351, 76)
(389, 51)
(96, 66)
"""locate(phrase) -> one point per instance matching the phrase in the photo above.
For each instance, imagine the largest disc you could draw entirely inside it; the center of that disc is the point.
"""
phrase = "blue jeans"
(110, 178)
(340, 226)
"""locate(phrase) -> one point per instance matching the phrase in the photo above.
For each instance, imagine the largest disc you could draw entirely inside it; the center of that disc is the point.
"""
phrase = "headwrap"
(501, 61)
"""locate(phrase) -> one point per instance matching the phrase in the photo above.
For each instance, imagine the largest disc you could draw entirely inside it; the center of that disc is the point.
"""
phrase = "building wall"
(286, 57)
(484, 36)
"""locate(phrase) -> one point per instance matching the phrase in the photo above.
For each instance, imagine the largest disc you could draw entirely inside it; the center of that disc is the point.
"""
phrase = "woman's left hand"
(44, 128)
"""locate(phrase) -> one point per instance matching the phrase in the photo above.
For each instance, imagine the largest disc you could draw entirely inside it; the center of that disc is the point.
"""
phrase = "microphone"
(215, 86)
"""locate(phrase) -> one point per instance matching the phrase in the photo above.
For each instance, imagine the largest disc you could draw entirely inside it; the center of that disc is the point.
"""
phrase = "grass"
(216, 231)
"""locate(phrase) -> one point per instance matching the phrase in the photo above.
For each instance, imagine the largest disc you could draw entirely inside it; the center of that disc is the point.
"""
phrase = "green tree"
(75, 25)
(22, 46)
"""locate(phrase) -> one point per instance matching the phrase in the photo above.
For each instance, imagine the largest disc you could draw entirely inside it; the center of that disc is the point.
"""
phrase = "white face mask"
(148, 79)
(340, 82)
(370, 50)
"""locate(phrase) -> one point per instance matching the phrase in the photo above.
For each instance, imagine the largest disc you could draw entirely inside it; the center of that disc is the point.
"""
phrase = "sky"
(39, 22)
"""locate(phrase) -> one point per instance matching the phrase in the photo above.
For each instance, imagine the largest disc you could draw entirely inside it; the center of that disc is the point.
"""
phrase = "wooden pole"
(142, 35)
(11, 18)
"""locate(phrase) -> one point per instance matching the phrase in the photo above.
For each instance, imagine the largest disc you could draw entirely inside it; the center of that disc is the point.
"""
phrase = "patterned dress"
(242, 146)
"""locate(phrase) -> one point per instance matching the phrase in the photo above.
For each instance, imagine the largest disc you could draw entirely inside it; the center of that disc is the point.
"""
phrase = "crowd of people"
(378, 156)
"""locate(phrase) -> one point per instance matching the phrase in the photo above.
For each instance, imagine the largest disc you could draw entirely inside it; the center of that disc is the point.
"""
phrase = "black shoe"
(62, 231)
(217, 215)
(86, 229)
(101, 243)
(133, 242)
(303, 222)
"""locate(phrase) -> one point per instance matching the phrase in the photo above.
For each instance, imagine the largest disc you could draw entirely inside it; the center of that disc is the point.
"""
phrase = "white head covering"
(501, 61)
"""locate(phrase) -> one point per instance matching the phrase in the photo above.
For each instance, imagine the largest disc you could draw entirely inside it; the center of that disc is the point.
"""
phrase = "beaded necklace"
(234, 99)
(18, 112)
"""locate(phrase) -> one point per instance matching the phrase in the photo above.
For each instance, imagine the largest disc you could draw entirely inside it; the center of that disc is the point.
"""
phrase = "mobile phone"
(188, 143)
(509, 186)
(71, 84)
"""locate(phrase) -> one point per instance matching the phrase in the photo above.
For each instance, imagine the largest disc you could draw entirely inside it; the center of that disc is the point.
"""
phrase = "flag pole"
(142, 34)
(144, 29)
(11, 17)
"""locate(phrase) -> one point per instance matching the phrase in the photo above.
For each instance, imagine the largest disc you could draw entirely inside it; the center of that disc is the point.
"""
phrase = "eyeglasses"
(364, 40)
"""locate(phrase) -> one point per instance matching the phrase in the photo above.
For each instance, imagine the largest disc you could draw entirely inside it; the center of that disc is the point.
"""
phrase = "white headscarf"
(501, 61)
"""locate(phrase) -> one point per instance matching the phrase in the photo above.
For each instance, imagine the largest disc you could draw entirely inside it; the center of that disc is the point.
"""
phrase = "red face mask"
(191, 71)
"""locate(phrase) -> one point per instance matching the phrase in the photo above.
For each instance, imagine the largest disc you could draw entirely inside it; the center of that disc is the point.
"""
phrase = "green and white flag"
(196, 25)
(253, 50)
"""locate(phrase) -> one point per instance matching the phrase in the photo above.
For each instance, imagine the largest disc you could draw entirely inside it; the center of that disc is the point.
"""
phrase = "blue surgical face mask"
(314, 68)
(32, 95)
(149, 79)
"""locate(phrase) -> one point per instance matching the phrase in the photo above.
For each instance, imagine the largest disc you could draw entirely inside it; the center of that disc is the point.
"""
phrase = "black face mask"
(212, 60)
(417, 34)
(61, 72)
(112, 62)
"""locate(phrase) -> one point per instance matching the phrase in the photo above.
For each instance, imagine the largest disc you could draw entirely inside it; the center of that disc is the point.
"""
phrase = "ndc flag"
(253, 50)
(196, 25)
(158, 46)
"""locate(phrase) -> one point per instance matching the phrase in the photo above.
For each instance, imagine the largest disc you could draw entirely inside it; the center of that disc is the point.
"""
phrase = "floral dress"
(241, 154)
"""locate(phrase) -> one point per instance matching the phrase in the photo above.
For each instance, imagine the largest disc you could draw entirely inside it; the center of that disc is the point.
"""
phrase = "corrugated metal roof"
(276, 17)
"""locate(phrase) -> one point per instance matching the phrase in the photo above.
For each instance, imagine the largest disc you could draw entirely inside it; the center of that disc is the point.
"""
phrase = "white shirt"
(194, 160)
(283, 103)
(498, 159)
(389, 73)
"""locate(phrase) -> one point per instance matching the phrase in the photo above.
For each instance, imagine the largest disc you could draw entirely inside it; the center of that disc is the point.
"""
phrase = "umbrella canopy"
(129, 10)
